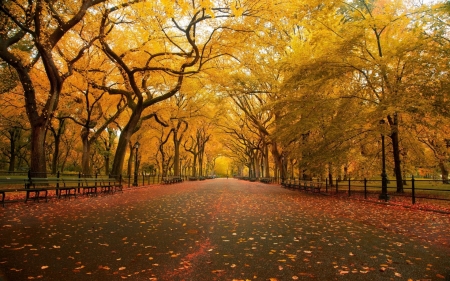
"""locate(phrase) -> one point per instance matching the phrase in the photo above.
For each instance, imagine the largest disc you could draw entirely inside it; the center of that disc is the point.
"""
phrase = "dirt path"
(221, 230)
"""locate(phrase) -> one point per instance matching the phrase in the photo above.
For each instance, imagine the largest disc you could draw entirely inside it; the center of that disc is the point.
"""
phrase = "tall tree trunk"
(277, 157)
(130, 160)
(12, 148)
(345, 172)
(194, 166)
(38, 165)
(393, 121)
(124, 139)
(266, 160)
(86, 154)
(107, 165)
(444, 172)
(200, 165)
(176, 157)
(330, 174)
(56, 154)
(57, 134)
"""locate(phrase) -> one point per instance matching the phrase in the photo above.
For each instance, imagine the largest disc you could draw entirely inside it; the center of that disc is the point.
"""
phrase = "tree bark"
(393, 121)
(176, 157)
(56, 153)
(124, 139)
(130, 160)
(38, 165)
(444, 172)
(12, 148)
(85, 158)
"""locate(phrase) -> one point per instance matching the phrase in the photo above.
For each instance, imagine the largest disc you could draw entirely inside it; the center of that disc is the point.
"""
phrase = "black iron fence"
(412, 188)
(128, 180)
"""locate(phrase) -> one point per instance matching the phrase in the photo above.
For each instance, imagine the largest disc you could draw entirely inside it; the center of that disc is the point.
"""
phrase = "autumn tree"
(108, 141)
(93, 114)
(42, 25)
(57, 129)
(357, 50)
(174, 40)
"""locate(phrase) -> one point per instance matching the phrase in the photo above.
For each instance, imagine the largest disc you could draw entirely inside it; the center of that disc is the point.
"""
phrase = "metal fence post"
(365, 188)
(79, 182)
(337, 186)
(349, 187)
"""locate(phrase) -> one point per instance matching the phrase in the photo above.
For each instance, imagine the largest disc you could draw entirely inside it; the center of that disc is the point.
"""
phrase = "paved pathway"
(221, 230)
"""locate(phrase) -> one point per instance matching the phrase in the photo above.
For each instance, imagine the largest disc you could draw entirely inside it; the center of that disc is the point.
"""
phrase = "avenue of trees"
(255, 88)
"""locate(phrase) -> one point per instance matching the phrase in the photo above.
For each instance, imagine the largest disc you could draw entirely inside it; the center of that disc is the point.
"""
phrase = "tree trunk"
(200, 165)
(107, 164)
(396, 152)
(124, 139)
(12, 149)
(86, 154)
(277, 158)
(330, 174)
(176, 157)
(266, 161)
(38, 164)
(130, 159)
(56, 154)
(444, 172)
(194, 166)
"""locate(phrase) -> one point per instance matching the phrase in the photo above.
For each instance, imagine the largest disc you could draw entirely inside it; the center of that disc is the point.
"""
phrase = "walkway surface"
(221, 229)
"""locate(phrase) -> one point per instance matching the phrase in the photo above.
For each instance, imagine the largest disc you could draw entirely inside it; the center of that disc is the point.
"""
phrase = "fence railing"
(128, 180)
(413, 188)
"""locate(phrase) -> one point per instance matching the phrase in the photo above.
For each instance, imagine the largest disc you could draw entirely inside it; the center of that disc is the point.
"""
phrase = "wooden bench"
(291, 183)
(109, 185)
(313, 186)
(34, 188)
(91, 186)
(265, 180)
(171, 180)
(317, 186)
(38, 188)
(11, 185)
(69, 186)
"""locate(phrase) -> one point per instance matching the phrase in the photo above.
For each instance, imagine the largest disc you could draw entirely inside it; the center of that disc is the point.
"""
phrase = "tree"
(57, 131)
(42, 25)
(356, 50)
(94, 116)
(175, 40)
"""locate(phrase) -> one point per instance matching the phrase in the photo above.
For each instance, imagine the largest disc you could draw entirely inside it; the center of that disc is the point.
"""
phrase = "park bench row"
(253, 179)
(267, 180)
(313, 186)
(37, 189)
(171, 180)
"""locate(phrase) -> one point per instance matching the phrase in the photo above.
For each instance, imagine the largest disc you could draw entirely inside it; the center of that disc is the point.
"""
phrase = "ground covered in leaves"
(221, 229)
